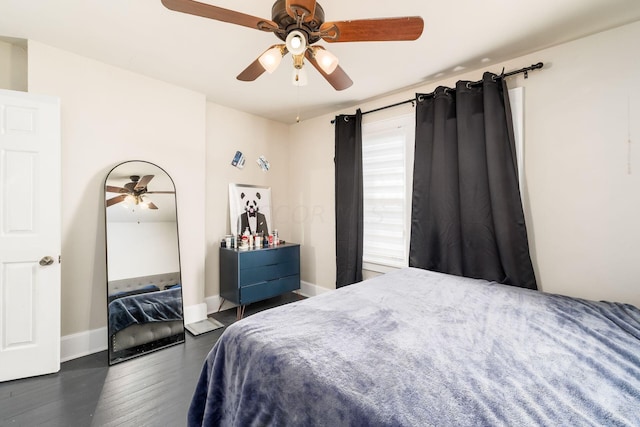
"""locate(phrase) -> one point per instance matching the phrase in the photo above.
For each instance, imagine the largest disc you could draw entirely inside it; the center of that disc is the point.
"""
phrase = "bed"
(145, 313)
(418, 348)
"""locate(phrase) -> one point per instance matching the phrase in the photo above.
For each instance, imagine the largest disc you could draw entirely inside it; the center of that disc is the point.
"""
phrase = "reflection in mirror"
(144, 292)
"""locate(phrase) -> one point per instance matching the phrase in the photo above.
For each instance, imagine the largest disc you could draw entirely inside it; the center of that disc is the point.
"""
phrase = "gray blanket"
(417, 348)
(158, 306)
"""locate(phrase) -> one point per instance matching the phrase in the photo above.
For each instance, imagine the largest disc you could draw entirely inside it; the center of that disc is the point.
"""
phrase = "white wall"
(229, 131)
(110, 115)
(584, 214)
(312, 199)
(583, 204)
(13, 64)
(129, 246)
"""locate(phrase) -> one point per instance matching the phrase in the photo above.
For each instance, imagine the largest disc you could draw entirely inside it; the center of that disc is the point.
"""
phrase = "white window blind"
(385, 151)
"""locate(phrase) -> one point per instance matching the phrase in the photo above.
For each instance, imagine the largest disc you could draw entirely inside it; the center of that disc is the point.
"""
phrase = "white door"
(30, 227)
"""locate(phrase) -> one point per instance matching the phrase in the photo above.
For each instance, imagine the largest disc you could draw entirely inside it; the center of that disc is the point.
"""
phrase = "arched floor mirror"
(144, 286)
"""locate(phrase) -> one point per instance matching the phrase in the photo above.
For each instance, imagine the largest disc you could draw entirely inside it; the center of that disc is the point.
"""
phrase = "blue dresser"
(248, 276)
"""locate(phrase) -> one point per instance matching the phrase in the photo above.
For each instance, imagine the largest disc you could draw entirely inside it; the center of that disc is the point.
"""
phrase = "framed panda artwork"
(250, 207)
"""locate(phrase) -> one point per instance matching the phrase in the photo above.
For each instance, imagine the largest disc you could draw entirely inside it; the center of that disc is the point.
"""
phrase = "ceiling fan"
(134, 192)
(300, 24)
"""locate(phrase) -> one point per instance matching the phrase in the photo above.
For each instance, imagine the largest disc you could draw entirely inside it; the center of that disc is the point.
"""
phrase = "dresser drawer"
(269, 289)
(248, 276)
(266, 273)
(262, 257)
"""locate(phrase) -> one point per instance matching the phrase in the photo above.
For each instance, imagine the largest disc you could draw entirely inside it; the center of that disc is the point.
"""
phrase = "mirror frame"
(174, 331)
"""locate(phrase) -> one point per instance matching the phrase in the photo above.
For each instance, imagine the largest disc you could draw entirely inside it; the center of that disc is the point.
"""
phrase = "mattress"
(418, 348)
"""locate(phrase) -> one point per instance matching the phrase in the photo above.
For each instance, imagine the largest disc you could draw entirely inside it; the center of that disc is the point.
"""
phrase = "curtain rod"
(524, 70)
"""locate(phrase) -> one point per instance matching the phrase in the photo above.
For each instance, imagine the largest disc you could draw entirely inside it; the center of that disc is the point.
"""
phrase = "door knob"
(47, 260)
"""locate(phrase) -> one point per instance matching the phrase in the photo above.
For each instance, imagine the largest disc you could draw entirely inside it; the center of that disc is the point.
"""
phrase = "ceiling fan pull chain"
(298, 116)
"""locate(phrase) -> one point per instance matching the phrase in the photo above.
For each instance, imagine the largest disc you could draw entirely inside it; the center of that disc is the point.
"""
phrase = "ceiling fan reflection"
(134, 192)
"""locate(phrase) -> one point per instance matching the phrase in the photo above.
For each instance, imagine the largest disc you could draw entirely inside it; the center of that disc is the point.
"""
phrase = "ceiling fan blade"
(150, 205)
(144, 181)
(117, 199)
(252, 72)
(338, 79)
(220, 14)
(363, 30)
(304, 8)
(112, 189)
(255, 69)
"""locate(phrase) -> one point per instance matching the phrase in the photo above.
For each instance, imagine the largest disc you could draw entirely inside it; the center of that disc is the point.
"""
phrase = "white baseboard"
(195, 313)
(310, 290)
(83, 343)
(213, 304)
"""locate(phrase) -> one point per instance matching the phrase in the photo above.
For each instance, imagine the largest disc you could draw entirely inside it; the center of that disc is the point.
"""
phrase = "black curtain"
(467, 216)
(348, 165)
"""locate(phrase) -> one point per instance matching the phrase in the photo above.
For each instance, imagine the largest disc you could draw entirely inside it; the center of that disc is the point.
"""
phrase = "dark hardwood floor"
(152, 390)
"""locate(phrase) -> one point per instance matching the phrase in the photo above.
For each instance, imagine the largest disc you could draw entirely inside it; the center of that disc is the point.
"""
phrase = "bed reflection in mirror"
(144, 292)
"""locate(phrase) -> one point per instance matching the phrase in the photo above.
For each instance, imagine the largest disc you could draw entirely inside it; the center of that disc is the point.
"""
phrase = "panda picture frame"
(250, 207)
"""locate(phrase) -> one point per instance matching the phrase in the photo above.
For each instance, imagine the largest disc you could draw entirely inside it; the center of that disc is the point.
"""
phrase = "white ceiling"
(206, 55)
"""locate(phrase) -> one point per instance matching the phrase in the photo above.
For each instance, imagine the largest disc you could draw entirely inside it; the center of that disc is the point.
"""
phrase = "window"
(387, 148)
(387, 169)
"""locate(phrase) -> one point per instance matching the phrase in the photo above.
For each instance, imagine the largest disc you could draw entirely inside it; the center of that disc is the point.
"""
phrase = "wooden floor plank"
(152, 390)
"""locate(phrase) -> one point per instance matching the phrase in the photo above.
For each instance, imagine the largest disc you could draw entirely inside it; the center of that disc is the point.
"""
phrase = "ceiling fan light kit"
(271, 58)
(300, 24)
(139, 201)
(299, 75)
(327, 60)
(296, 42)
